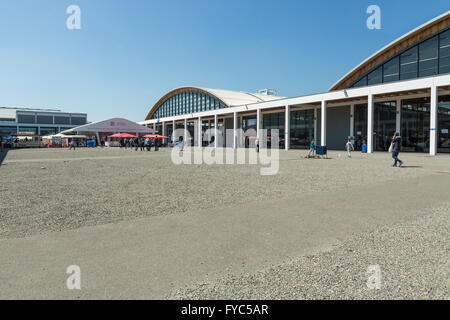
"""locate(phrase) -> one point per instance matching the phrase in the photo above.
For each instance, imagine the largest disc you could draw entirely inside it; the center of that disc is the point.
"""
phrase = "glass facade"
(48, 131)
(384, 124)
(248, 123)
(443, 127)
(360, 125)
(274, 121)
(7, 131)
(427, 58)
(186, 102)
(301, 128)
(416, 125)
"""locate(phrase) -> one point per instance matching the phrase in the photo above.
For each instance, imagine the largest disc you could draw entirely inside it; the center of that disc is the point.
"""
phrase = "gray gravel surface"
(57, 189)
(413, 257)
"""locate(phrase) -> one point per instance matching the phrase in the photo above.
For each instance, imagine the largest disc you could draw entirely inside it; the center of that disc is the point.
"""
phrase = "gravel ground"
(413, 257)
(46, 190)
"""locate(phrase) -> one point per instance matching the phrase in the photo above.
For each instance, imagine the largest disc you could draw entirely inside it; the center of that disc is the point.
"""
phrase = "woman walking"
(312, 148)
(395, 149)
(349, 147)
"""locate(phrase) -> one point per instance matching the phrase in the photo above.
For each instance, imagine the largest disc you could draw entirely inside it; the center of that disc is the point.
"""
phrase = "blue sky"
(129, 53)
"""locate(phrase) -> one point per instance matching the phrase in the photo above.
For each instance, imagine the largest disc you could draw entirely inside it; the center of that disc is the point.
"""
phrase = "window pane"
(361, 82)
(408, 63)
(444, 52)
(428, 53)
(390, 70)
(375, 76)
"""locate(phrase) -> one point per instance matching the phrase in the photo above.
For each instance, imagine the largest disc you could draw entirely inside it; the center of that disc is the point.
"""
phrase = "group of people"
(139, 143)
(394, 148)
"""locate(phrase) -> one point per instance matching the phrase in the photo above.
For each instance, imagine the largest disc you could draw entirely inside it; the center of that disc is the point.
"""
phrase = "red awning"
(122, 135)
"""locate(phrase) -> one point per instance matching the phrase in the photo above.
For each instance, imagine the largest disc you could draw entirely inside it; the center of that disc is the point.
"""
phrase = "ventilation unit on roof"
(268, 92)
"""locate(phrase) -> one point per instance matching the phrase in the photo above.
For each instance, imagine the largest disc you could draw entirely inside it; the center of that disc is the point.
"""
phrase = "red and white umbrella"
(122, 135)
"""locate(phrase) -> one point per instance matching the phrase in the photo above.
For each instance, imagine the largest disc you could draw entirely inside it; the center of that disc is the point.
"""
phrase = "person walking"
(147, 144)
(257, 144)
(349, 147)
(72, 144)
(312, 148)
(395, 149)
(136, 144)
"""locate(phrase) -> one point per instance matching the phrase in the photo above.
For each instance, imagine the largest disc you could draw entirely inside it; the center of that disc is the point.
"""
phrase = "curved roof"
(227, 97)
(413, 37)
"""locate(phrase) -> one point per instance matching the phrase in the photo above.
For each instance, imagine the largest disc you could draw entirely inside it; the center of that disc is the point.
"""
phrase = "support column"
(200, 132)
(185, 133)
(98, 139)
(434, 119)
(323, 127)
(216, 131)
(352, 120)
(234, 129)
(287, 128)
(398, 115)
(154, 127)
(173, 133)
(258, 123)
(370, 112)
(163, 131)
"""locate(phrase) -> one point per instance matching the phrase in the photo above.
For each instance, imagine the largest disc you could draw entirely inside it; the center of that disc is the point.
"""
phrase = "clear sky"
(129, 53)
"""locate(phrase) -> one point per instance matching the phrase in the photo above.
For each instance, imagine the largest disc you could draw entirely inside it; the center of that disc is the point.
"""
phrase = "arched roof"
(227, 97)
(424, 31)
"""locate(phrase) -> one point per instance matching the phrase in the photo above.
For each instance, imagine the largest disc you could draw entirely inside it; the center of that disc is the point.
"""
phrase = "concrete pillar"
(398, 115)
(200, 133)
(163, 131)
(216, 131)
(258, 123)
(185, 132)
(154, 127)
(434, 119)
(235, 120)
(352, 120)
(323, 127)
(370, 113)
(173, 132)
(287, 128)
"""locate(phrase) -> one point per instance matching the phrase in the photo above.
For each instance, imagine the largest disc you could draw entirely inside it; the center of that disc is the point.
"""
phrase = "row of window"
(186, 102)
(42, 119)
(428, 58)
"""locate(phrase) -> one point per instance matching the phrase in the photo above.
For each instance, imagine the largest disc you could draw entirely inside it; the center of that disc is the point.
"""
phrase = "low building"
(404, 87)
(38, 121)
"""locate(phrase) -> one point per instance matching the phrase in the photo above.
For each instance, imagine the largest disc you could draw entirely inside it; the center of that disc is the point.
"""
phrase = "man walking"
(395, 148)
(72, 144)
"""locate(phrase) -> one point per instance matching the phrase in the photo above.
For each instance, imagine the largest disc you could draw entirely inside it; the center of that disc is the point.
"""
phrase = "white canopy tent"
(114, 125)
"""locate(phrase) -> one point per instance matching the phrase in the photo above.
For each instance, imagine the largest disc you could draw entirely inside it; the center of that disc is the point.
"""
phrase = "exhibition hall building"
(404, 87)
